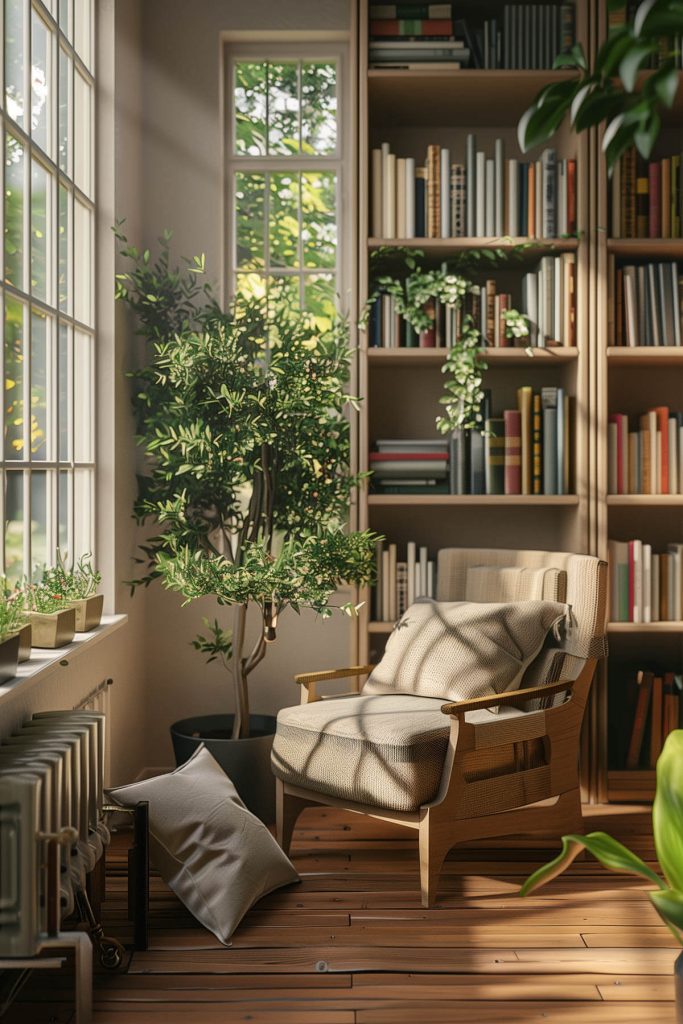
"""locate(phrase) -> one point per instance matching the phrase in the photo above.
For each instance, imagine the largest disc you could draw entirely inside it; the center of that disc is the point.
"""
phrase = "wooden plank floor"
(352, 945)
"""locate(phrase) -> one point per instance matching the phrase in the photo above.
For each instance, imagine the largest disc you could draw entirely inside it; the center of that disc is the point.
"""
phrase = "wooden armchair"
(472, 774)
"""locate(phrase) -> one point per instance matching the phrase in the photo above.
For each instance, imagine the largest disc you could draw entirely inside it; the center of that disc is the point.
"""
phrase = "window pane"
(15, 59)
(83, 394)
(41, 223)
(249, 217)
(319, 216)
(82, 263)
(83, 513)
(64, 392)
(64, 513)
(250, 108)
(83, 30)
(318, 107)
(15, 361)
(283, 223)
(41, 80)
(41, 330)
(14, 524)
(65, 249)
(284, 290)
(250, 286)
(320, 299)
(65, 111)
(39, 530)
(66, 17)
(82, 134)
(14, 211)
(283, 108)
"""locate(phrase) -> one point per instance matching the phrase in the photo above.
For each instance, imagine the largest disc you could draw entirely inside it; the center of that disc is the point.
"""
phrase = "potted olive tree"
(243, 418)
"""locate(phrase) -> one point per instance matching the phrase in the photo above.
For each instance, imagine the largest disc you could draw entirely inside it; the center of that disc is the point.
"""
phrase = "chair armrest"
(510, 697)
(310, 680)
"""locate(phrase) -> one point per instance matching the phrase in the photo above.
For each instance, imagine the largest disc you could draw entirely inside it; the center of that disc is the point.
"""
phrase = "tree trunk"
(240, 729)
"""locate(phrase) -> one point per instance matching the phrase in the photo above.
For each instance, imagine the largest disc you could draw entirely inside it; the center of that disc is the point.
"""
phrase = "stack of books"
(646, 197)
(621, 14)
(474, 194)
(410, 467)
(648, 460)
(528, 37)
(547, 301)
(649, 708)
(647, 305)
(400, 583)
(524, 451)
(412, 35)
(645, 586)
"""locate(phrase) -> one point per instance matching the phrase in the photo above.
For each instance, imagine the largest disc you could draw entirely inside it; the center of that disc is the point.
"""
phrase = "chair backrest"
(580, 580)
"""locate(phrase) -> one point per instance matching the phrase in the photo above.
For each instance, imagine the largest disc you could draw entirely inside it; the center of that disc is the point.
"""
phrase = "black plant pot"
(246, 762)
(9, 658)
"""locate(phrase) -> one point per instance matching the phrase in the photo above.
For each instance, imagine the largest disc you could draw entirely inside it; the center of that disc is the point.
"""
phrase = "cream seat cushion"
(384, 750)
(215, 855)
(515, 583)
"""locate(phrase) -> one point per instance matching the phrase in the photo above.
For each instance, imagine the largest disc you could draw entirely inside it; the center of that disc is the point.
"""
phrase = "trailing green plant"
(40, 598)
(416, 291)
(667, 822)
(73, 584)
(612, 93)
(243, 419)
(12, 611)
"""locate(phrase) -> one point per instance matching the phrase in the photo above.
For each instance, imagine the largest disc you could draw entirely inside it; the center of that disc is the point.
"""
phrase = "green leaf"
(646, 136)
(572, 58)
(609, 852)
(665, 84)
(667, 811)
(631, 63)
(641, 14)
(540, 122)
(669, 905)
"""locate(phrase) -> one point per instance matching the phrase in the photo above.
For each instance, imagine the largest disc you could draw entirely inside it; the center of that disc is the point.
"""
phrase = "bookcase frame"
(468, 99)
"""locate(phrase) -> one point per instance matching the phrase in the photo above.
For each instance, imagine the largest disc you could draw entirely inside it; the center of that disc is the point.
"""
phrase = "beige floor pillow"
(215, 855)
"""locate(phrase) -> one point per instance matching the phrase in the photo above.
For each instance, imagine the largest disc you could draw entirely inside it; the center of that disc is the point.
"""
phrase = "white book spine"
(392, 583)
(637, 555)
(512, 224)
(400, 197)
(490, 198)
(647, 582)
(411, 559)
(471, 187)
(377, 200)
(389, 196)
(612, 485)
(480, 226)
(430, 579)
(557, 300)
(423, 573)
(674, 485)
(385, 586)
(499, 161)
(445, 193)
(654, 589)
(410, 197)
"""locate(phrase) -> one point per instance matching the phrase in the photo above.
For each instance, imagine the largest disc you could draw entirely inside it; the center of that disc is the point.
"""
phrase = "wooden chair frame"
(467, 808)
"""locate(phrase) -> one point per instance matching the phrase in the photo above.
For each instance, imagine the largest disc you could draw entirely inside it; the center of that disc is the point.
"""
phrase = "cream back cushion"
(515, 583)
(460, 650)
(215, 855)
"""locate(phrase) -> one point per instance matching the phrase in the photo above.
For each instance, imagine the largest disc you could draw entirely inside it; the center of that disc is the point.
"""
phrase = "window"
(47, 113)
(284, 159)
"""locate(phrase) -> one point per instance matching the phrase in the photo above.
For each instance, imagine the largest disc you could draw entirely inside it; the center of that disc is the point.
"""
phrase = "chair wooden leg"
(432, 855)
(287, 810)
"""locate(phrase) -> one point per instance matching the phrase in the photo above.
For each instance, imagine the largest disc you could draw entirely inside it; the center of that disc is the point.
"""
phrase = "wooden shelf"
(467, 97)
(493, 356)
(534, 247)
(380, 627)
(646, 248)
(503, 500)
(631, 786)
(645, 500)
(646, 355)
(645, 627)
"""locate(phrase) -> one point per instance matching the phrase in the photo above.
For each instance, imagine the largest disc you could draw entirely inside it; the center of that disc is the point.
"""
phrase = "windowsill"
(45, 662)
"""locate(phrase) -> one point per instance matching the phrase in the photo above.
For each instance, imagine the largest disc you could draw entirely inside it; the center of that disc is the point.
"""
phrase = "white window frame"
(339, 161)
(51, 307)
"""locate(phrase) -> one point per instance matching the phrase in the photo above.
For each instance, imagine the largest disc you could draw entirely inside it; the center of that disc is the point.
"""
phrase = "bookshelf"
(401, 387)
(630, 380)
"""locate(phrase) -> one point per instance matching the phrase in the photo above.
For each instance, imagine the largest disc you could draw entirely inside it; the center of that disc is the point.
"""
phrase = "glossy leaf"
(667, 811)
(609, 852)
(631, 63)
(646, 135)
(669, 905)
(665, 85)
(641, 14)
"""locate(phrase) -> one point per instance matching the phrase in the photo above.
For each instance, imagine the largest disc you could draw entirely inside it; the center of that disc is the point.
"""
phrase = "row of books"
(621, 14)
(645, 586)
(648, 460)
(529, 36)
(411, 466)
(646, 197)
(647, 304)
(547, 301)
(400, 583)
(410, 35)
(652, 703)
(484, 196)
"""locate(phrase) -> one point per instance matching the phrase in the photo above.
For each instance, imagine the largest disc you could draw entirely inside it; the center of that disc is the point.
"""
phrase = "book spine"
(400, 197)
(513, 451)
(495, 456)
(433, 191)
(480, 228)
(389, 196)
(470, 185)
(420, 202)
(410, 197)
(655, 200)
(499, 167)
(445, 203)
(377, 200)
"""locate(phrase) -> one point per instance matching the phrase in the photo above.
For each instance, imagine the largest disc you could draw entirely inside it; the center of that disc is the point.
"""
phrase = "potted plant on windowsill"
(53, 621)
(667, 822)
(242, 416)
(13, 629)
(78, 588)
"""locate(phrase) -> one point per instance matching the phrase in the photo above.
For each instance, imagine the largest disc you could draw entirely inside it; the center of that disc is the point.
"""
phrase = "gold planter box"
(25, 642)
(88, 612)
(54, 630)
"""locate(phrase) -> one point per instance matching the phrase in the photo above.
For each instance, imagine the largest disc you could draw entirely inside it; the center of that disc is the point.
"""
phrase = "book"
(644, 681)
(524, 404)
(495, 455)
(513, 444)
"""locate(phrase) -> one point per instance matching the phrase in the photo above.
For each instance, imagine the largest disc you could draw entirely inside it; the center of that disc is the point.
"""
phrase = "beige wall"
(181, 188)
